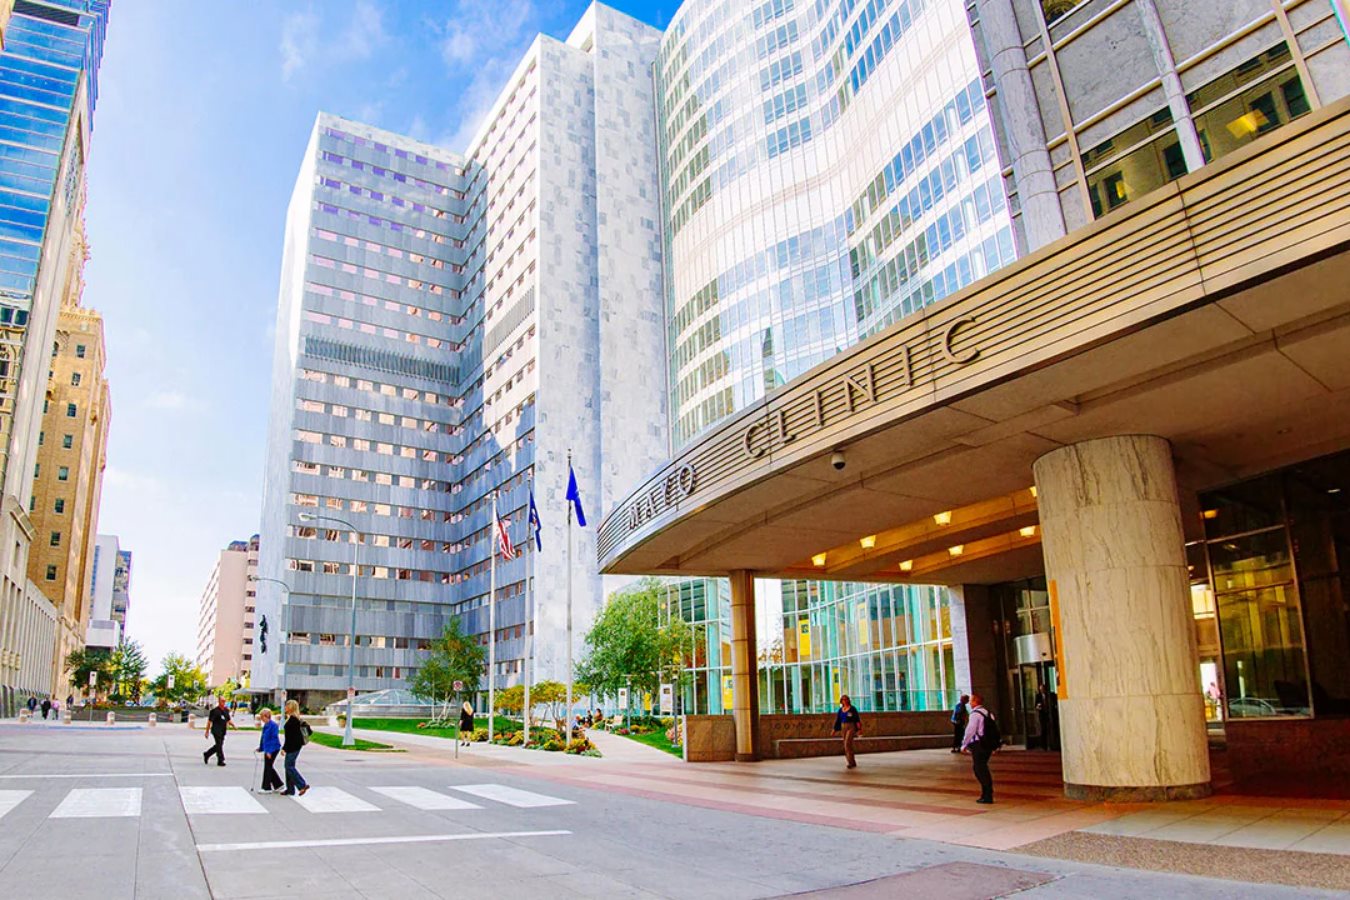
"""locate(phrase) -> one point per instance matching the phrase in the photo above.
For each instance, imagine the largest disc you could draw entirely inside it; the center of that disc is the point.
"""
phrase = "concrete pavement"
(134, 813)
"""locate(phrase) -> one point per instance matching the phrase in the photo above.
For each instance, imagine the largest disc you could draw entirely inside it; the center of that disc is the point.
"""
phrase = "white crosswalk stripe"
(422, 798)
(214, 801)
(98, 803)
(333, 800)
(11, 799)
(509, 795)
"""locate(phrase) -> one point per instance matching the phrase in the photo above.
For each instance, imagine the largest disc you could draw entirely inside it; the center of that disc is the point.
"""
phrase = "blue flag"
(535, 527)
(574, 496)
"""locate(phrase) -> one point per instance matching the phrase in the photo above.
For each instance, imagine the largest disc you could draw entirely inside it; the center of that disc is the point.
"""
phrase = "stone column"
(1132, 718)
(974, 652)
(744, 666)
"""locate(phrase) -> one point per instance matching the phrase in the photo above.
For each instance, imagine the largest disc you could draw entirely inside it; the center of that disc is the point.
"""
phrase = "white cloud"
(417, 128)
(169, 400)
(299, 41)
(483, 41)
(302, 38)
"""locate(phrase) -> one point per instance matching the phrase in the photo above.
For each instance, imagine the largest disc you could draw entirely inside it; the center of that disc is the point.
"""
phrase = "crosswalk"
(125, 802)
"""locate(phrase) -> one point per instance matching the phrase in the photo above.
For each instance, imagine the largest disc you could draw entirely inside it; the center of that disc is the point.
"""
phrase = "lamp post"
(347, 739)
(281, 644)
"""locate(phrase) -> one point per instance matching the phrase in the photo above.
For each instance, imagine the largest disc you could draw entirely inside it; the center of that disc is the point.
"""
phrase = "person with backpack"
(960, 717)
(297, 734)
(982, 741)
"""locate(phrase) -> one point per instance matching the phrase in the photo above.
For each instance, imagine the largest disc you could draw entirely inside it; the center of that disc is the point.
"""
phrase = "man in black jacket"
(217, 720)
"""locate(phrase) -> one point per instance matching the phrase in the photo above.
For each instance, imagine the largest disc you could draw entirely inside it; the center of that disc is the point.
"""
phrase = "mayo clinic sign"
(827, 405)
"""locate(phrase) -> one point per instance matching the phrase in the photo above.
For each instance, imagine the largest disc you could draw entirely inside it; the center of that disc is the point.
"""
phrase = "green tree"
(629, 646)
(127, 664)
(80, 663)
(189, 681)
(454, 656)
(511, 700)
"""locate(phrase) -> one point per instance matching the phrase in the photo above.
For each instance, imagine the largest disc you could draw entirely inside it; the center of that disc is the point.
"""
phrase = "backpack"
(305, 732)
(990, 738)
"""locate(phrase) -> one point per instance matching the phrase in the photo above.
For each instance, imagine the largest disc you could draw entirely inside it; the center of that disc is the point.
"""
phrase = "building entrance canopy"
(1214, 313)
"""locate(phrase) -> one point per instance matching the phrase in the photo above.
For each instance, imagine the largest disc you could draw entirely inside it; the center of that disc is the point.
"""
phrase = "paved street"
(90, 812)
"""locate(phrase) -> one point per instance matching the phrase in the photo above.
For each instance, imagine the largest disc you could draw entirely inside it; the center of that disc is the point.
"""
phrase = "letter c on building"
(749, 441)
(949, 334)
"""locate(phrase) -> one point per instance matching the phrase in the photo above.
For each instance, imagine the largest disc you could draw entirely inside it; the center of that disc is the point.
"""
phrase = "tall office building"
(449, 328)
(827, 170)
(68, 476)
(48, 88)
(225, 615)
(103, 630)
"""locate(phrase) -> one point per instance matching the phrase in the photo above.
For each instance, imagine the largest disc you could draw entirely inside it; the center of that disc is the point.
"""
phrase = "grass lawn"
(409, 726)
(335, 740)
(658, 740)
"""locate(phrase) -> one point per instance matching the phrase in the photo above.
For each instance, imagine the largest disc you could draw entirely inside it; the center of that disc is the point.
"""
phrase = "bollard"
(152, 720)
(65, 717)
(192, 720)
(23, 717)
(112, 717)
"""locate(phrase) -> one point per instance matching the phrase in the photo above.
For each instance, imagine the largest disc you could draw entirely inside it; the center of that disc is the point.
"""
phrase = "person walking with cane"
(217, 721)
(269, 745)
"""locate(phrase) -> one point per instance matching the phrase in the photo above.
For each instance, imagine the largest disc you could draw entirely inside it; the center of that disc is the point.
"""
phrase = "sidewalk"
(930, 794)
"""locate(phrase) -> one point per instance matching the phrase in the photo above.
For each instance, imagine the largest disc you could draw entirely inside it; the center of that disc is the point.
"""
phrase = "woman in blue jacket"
(269, 747)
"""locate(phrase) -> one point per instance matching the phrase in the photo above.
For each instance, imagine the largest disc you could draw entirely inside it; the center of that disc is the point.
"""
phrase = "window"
(1055, 10)
(70, 410)
(63, 473)
(1256, 97)
(42, 438)
(67, 441)
(51, 573)
(75, 379)
(59, 506)
(1128, 165)
(55, 540)
(79, 351)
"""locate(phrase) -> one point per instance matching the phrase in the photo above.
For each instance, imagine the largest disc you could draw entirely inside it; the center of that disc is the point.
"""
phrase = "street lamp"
(281, 645)
(347, 739)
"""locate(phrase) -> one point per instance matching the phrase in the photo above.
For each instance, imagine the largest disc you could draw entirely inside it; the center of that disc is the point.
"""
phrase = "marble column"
(1132, 719)
(744, 666)
(974, 650)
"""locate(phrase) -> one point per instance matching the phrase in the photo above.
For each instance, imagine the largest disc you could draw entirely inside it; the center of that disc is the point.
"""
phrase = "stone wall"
(713, 738)
(1311, 747)
(709, 739)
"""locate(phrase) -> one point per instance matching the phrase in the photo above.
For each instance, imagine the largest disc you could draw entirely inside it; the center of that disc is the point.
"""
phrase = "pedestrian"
(849, 722)
(269, 745)
(1047, 716)
(296, 734)
(982, 741)
(465, 724)
(32, 704)
(46, 706)
(70, 700)
(56, 710)
(960, 716)
(217, 720)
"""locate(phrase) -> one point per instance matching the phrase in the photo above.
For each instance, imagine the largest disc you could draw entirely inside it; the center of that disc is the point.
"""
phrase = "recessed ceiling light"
(818, 560)
(868, 542)
(943, 518)
(1033, 490)
(1027, 531)
(1333, 490)
(907, 566)
(957, 550)
(1210, 514)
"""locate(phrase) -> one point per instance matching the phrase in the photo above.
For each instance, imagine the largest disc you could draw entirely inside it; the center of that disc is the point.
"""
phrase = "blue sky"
(203, 114)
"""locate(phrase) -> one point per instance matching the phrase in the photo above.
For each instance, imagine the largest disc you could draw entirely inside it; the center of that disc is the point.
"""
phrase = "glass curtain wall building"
(828, 168)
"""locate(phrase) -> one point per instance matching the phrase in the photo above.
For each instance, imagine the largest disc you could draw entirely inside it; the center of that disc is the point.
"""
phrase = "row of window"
(393, 334)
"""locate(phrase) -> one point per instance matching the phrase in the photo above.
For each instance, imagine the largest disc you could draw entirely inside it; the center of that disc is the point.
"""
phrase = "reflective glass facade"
(828, 168)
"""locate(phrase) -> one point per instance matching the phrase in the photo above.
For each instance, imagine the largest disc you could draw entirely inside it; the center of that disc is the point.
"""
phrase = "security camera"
(838, 461)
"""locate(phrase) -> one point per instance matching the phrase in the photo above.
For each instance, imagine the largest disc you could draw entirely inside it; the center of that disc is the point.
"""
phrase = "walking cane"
(257, 758)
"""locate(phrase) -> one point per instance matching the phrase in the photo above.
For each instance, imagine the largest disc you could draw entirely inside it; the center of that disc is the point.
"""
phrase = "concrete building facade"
(225, 617)
(104, 630)
(49, 69)
(68, 475)
(451, 328)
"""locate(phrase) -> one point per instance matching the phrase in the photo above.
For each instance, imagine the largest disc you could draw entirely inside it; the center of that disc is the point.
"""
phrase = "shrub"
(623, 731)
(479, 734)
(552, 745)
(591, 752)
(580, 745)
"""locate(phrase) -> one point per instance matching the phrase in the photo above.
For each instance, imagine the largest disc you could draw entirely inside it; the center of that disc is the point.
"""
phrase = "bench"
(796, 748)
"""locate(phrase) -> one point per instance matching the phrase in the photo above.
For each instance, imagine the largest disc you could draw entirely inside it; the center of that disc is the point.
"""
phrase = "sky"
(204, 111)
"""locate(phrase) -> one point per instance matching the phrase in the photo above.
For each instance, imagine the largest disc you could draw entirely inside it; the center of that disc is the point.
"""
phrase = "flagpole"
(492, 615)
(568, 732)
(529, 605)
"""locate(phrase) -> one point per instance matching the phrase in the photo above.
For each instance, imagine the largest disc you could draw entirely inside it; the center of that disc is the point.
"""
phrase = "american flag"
(504, 541)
